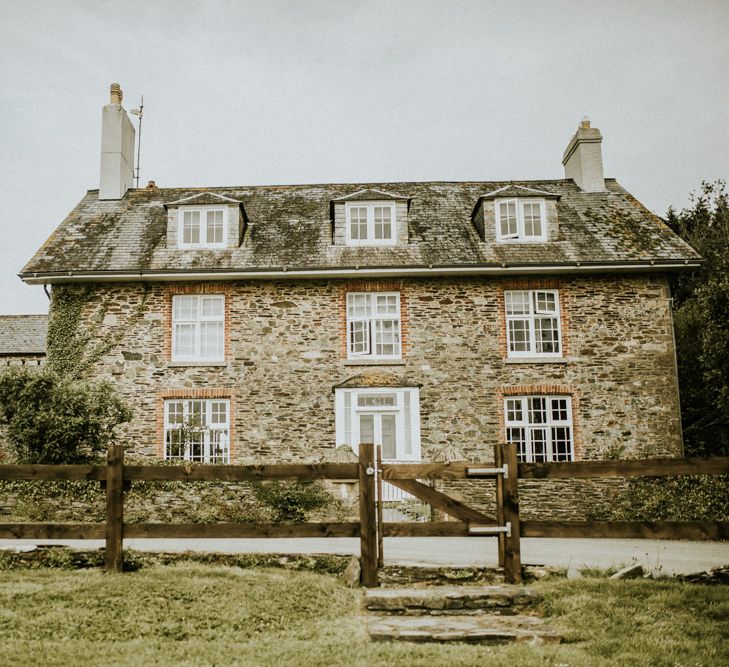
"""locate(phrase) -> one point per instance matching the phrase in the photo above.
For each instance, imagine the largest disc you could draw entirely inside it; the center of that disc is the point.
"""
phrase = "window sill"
(374, 362)
(388, 244)
(523, 240)
(200, 246)
(182, 364)
(535, 360)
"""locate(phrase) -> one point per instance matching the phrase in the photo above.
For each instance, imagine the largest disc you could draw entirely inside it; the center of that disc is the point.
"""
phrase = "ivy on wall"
(65, 342)
(75, 345)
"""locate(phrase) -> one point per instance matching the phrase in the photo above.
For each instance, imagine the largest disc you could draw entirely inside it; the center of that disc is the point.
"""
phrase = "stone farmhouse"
(23, 340)
(277, 323)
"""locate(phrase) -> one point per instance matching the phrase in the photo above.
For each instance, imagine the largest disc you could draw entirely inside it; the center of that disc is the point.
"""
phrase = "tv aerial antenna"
(139, 113)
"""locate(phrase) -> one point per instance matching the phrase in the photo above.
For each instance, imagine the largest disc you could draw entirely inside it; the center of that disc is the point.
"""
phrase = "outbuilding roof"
(23, 334)
(291, 230)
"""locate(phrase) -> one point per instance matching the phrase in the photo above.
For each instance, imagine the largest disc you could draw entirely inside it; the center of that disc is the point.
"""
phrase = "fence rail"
(651, 530)
(53, 472)
(506, 526)
(643, 468)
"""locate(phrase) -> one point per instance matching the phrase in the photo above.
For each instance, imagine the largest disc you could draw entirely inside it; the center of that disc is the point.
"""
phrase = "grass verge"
(195, 614)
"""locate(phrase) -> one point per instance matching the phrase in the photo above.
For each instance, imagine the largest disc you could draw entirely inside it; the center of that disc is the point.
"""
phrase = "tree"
(50, 419)
(701, 317)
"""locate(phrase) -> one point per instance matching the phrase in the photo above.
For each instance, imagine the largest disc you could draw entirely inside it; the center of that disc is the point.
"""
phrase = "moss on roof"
(291, 227)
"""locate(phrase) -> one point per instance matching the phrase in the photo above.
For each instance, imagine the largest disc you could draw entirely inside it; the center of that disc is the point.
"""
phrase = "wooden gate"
(468, 521)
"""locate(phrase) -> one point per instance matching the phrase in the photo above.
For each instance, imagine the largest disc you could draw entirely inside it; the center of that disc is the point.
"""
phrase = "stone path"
(477, 614)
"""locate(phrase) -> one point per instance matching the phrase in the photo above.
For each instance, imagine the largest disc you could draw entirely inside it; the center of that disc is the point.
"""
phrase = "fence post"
(512, 547)
(113, 555)
(380, 521)
(367, 516)
(499, 462)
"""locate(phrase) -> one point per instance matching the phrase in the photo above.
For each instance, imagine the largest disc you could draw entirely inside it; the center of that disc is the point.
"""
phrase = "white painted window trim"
(548, 425)
(203, 243)
(197, 355)
(371, 240)
(533, 314)
(207, 429)
(340, 402)
(371, 326)
(520, 236)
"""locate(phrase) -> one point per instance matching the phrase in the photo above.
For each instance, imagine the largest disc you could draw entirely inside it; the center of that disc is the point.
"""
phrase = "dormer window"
(520, 220)
(203, 226)
(370, 223)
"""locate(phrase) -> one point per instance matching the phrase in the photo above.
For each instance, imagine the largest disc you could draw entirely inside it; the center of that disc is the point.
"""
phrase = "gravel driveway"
(657, 556)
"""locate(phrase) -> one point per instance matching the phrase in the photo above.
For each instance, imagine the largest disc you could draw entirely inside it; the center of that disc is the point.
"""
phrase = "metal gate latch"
(490, 530)
(487, 472)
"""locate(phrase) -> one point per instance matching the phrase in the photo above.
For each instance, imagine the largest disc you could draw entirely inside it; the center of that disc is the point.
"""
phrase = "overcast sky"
(307, 92)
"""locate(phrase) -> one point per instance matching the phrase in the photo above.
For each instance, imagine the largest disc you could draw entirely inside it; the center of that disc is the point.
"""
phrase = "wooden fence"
(370, 472)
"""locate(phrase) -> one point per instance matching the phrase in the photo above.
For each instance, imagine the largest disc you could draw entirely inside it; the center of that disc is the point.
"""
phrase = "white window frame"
(525, 446)
(407, 402)
(534, 314)
(207, 431)
(370, 206)
(203, 210)
(197, 355)
(369, 325)
(520, 236)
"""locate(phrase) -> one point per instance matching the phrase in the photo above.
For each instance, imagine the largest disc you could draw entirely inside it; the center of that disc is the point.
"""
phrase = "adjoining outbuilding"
(23, 340)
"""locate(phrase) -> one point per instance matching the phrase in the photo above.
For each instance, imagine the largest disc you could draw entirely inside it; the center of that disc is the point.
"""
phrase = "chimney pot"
(116, 94)
(151, 185)
(585, 123)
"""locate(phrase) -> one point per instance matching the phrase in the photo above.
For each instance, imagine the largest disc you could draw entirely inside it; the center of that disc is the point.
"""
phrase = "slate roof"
(291, 229)
(23, 334)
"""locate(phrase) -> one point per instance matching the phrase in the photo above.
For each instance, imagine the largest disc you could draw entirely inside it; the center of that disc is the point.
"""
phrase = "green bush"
(293, 502)
(54, 420)
(687, 498)
(53, 500)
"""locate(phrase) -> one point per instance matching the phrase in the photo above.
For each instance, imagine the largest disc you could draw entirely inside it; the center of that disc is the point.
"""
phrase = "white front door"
(380, 429)
(387, 417)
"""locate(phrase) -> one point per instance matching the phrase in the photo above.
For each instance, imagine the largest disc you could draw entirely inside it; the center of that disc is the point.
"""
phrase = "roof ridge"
(373, 185)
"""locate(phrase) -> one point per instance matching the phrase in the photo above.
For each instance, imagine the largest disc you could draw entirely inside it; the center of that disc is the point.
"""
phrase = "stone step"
(484, 628)
(497, 599)
(417, 575)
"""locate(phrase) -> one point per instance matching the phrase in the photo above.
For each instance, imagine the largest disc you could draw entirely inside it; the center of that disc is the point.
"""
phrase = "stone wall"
(542, 500)
(285, 354)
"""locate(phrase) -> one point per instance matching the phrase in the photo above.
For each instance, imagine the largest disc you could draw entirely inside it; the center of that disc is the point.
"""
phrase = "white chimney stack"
(117, 148)
(582, 159)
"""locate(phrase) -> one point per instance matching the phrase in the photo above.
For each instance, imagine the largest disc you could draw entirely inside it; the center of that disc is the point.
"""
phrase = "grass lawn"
(214, 615)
